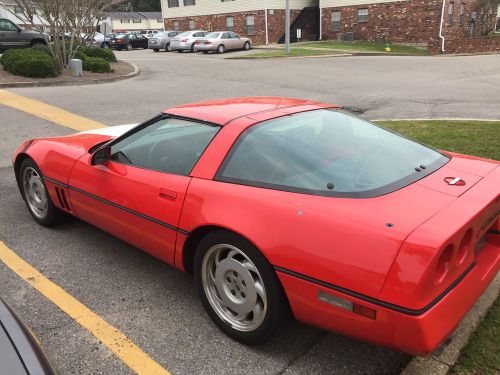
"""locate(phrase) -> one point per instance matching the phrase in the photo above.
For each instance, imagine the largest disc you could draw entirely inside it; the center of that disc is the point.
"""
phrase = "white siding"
(345, 3)
(206, 7)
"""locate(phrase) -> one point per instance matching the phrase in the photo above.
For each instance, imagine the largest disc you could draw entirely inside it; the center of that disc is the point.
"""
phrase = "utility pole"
(287, 27)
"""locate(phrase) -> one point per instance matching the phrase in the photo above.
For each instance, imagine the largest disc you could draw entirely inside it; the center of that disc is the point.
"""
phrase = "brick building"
(441, 25)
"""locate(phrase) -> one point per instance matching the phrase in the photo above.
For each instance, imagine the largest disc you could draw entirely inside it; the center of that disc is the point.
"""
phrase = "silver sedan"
(161, 40)
(221, 41)
(185, 41)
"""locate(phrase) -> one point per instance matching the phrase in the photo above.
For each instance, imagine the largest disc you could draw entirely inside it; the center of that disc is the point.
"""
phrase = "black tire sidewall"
(52, 211)
(276, 300)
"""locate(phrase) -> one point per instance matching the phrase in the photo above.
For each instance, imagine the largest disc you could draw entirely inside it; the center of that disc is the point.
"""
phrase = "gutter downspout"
(320, 20)
(441, 36)
(265, 20)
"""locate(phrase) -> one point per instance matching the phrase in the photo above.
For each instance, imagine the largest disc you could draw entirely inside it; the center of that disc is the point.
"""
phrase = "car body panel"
(161, 40)
(381, 252)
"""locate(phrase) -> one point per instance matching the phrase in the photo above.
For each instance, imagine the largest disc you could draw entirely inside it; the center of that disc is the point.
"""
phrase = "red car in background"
(278, 204)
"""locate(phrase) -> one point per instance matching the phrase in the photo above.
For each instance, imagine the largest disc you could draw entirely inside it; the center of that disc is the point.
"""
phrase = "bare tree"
(484, 17)
(66, 20)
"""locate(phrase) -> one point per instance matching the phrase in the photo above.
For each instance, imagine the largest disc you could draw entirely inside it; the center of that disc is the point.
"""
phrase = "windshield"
(185, 33)
(120, 36)
(212, 35)
(327, 152)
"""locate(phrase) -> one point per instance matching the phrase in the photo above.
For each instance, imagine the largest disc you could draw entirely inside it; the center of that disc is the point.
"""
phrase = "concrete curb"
(72, 83)
(440, 363)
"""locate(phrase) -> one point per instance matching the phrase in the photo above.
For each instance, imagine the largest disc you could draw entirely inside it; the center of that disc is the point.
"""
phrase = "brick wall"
(217, 22)
(414, 21)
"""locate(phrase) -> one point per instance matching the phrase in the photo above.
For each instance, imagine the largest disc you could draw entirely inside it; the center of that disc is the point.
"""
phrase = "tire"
(246, 46)
(37, 41)
(129, 47)
(156, 49)
(36, 196)
(241, 279)
(205, 52)
(221, 49)
(180, 51)
(192, 47)
(168, 48)
(105, 45)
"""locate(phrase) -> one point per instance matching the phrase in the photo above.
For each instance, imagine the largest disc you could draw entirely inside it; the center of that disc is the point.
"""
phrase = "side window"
(233, 35)
(172, 35)
(169, 145)
(225, 36)
(6, 25)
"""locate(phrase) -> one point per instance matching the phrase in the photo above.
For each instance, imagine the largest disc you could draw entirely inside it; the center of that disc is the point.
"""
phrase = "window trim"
(386, 189)
(330, 27)
(451, 13)
(145, 124)
(367, 15)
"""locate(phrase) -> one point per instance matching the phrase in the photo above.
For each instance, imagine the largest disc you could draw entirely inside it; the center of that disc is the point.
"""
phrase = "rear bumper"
(202, 47)
(181, 46)
(415, 332)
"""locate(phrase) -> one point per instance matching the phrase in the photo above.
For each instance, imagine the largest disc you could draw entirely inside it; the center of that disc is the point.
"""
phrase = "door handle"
(168, 194)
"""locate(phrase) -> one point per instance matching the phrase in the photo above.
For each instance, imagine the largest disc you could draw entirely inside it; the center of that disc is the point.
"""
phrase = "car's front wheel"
(246, 46)
(156, 49)
(129, 47)
(36, 195)
(168, 48)
(221, 49)
(238, 288)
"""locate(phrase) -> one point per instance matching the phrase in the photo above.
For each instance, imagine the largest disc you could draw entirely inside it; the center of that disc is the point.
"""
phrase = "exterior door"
(138, 194)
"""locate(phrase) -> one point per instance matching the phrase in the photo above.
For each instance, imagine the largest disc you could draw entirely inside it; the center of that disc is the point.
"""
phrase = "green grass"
(294, 51)
(364, 47)
(481, 356)
(479, 138)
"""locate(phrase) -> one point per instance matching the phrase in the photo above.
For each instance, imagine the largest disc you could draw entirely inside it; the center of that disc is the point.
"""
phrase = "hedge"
(105, 54)
(29, 63)
(96, 64)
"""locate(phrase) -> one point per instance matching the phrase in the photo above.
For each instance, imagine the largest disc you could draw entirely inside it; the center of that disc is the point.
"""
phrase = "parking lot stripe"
(48, 112)
(110, 336)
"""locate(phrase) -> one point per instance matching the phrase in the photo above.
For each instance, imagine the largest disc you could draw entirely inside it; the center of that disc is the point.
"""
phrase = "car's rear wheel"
(238, 288)
(156, 49)
(168, 48)
(36, 195)
(129, 47)
(221, 49)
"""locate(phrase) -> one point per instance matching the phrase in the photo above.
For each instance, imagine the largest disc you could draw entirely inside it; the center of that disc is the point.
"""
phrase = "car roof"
(223, 111)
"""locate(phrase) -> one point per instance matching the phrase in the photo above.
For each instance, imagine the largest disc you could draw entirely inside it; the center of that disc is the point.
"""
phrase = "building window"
(17, 10)
(363, 15)
(189, 2)
(175, 26)
(462, 14)
(192, 25)
(173, 3)
(250, 25)
(124, 21)
(451, 8)
(335, 21)
(230, 23)
(159, 20)
(136, 21)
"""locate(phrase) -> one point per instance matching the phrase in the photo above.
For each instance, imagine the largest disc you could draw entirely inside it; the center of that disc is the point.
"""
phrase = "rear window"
(185, 33)
(327, 152)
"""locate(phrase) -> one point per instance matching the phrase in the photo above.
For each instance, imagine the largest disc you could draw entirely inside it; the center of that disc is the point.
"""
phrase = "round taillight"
(464, 248)
(443, 265)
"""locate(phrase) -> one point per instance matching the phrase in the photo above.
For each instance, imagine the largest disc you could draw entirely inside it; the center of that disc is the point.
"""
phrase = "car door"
(142, 41)
(11, 36)
(132, 39)
(138, 194)
(237, 41)
(226, 40)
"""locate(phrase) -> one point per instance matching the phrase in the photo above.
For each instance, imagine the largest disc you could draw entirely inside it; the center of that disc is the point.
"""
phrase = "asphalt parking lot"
(153, 304)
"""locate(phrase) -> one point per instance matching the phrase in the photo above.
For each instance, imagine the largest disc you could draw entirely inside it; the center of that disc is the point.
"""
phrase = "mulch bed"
(120, 68)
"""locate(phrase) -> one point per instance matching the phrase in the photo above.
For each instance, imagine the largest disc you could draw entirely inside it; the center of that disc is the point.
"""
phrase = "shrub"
(30, 63)
(6, 55)
(96, 64)
(105, 54)
(43, 48)
(80, 55)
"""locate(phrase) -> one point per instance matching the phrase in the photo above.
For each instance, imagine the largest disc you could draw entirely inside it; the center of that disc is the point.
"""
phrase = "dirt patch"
(121, 69)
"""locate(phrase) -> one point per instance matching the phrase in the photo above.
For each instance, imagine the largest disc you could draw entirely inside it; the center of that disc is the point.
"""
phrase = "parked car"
(276, 204)
(128, 41)
(150, 33)
(185, 41)
(161, 40)
(21, 352)
(221, 41)
(12, 36)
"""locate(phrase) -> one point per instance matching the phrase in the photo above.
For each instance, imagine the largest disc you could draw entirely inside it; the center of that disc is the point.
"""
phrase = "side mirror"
(101, 156)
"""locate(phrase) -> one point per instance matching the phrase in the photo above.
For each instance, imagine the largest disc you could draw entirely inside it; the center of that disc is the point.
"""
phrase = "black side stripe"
(128, 210)
(375, 301)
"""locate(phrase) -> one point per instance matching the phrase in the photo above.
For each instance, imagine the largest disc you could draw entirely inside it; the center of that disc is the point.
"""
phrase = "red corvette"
(280, 204)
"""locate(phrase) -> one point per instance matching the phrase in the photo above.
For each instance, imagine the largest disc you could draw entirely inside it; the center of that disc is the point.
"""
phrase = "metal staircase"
(307, 16)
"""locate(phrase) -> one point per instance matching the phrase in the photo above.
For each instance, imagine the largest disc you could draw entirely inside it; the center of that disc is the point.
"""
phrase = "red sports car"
(278, 205)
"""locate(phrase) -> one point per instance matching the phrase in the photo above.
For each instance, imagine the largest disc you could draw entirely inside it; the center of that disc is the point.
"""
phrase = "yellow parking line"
(48, 112)
(110, 336)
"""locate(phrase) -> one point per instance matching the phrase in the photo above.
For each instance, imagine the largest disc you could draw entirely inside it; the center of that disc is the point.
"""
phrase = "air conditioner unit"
(346, 37)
